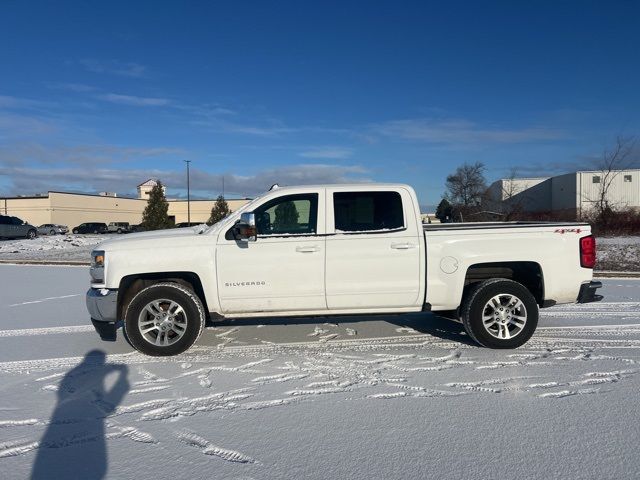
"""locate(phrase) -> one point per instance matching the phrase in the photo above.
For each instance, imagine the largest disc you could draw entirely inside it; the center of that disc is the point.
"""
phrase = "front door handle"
(308, 249)
(403, 246)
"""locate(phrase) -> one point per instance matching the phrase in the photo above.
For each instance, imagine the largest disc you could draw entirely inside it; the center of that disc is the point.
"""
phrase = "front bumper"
(588, 292)
(102, 304)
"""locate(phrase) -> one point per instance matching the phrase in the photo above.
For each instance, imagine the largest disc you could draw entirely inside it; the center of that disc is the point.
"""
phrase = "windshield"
(247, 207)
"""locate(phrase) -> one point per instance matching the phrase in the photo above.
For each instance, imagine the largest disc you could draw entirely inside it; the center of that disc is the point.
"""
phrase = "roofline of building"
(613, 171)
(29, 197)
(523, 178)
(149, 180)
(618, 171)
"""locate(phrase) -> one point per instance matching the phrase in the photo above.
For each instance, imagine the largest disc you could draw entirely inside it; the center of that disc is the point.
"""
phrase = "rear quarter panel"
(556, 250)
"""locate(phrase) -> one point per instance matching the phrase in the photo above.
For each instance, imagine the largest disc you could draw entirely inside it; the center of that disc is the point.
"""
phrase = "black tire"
(52, 232)
(193, 314)
(31, 234)
(119, 231)
(74, 231)
(95, 232)
(475, 305)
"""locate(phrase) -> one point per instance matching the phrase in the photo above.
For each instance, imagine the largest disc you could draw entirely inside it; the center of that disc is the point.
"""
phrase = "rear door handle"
(308, 249)
(403, 246)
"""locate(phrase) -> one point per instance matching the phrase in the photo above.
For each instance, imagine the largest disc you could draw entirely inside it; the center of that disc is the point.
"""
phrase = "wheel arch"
(130, 285)
(529, 274)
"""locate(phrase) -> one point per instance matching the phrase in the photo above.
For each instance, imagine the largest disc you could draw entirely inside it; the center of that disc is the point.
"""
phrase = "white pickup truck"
(337, 250)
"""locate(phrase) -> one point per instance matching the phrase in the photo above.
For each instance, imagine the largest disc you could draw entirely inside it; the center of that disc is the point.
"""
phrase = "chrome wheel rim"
(504, 316)
(162, 322)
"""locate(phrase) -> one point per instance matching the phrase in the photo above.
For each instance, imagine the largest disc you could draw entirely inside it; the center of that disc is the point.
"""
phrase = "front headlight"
(97, 266)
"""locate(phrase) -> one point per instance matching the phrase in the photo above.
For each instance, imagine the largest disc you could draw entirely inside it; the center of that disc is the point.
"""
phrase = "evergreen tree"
(444, 212)
(219, 211)
(286, 217)
(155, 215)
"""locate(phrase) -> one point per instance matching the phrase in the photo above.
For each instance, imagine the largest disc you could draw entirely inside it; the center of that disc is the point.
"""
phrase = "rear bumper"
(588, 292)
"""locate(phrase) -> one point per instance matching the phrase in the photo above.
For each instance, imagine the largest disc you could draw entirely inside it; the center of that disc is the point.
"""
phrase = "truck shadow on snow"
(74, 444)
(408, 324)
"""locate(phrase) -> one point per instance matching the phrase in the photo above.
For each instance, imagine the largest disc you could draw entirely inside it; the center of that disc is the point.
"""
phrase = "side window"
(16, 221)
(291, 214)
(4, 220)
(367, 211)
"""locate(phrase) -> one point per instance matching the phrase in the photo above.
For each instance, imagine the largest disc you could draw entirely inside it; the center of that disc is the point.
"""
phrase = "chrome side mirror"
(245, 229)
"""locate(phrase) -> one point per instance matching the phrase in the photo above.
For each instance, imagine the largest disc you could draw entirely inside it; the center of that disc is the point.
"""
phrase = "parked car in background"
(119, 227)
(91, 227)
(14, 227)
(137, 228)
(52, 229)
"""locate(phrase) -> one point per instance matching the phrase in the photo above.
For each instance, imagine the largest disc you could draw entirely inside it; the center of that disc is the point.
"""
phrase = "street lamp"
(188, 194)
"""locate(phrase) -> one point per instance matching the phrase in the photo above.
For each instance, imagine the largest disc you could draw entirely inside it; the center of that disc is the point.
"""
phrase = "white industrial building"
(572, 193)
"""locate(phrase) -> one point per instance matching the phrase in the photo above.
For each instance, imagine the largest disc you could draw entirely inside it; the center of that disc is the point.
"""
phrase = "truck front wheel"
(499, 313)
(164, 319)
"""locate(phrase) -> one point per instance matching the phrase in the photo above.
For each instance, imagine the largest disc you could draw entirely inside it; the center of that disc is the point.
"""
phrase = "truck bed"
(432, 227)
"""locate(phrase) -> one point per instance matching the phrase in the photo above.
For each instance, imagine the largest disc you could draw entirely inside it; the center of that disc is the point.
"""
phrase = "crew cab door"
(374, 252)
(283, 270)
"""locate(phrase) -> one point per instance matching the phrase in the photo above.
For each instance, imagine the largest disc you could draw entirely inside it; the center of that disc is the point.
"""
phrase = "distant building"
(72, 209)
(572, 193)
(144, 189)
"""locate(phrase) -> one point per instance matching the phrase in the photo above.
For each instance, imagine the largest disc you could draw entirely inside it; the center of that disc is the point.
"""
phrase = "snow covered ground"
(619, 253)
(614, 253)
(404, 396)
(56, 248)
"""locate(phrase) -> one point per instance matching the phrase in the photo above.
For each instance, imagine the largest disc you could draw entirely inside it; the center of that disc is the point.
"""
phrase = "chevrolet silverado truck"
(337, 250)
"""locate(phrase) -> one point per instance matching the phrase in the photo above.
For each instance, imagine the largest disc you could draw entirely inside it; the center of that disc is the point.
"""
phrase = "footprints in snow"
(208, 448)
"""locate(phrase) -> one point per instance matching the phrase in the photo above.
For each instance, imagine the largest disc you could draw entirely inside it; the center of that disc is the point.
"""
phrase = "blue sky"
(101, 95)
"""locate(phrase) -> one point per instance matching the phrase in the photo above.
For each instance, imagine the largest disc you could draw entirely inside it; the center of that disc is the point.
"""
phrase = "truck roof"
(346, 186)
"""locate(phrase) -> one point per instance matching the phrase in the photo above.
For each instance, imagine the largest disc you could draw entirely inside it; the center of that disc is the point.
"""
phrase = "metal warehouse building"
(72, 209)
(574, 193)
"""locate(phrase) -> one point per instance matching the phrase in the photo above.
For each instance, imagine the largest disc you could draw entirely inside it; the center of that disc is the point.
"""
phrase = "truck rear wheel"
(164, 319)
(499, 313)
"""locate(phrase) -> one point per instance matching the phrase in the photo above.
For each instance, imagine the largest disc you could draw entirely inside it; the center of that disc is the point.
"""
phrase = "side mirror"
(245, 229)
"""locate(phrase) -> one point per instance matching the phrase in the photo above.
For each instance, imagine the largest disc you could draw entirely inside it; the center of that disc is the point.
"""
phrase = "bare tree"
(512, 196)
(621, 156)
(466, 187)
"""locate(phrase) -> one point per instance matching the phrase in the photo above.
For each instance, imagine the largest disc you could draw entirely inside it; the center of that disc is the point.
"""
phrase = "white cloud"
(73, 87)
(88, 155)
(455, 131)
(134, 100)
(114, 67)
(30, 180)
(335, 153)
(10, 102)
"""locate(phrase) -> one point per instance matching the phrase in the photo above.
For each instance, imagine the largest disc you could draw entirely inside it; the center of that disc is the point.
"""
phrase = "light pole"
(188, 194)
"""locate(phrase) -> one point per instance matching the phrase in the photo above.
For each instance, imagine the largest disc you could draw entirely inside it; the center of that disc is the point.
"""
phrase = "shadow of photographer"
(74, 444)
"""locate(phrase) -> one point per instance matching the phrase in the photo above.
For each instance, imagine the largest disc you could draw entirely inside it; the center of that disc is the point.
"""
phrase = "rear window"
(367, 211)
